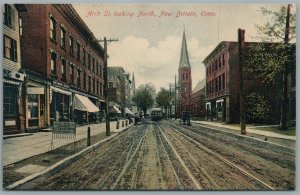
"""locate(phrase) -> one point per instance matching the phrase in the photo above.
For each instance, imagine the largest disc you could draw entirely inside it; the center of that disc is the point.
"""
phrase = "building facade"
(13, 81)
(223, 84)
(197, 102)
(120, 93)
(64, 62)
(184, 79)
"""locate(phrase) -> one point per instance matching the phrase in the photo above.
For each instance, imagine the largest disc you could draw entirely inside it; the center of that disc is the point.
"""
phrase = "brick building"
(64, 66)
(222, 84)
(13, 77)
(184, 79)
(119, 89)
(197, 102)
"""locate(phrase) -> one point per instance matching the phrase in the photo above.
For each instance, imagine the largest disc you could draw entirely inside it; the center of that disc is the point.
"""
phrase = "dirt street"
(165, 156)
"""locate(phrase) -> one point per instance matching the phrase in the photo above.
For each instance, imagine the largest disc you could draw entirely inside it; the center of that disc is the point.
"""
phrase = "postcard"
(149, 96)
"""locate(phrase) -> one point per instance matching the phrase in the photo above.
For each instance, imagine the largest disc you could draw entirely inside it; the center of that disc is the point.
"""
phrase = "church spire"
(184, 57)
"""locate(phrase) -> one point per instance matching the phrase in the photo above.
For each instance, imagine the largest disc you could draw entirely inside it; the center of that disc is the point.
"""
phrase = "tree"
(258, 109)
(144, 97)
(163, 98)
(270, 60)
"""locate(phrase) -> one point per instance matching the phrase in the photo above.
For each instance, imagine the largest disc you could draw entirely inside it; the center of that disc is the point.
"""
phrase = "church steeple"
(184, 57)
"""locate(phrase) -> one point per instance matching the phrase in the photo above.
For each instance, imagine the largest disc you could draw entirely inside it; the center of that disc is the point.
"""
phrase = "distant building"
(64, 66)
(197, 102)
(118, 75)
(13, 81)
(222, 85)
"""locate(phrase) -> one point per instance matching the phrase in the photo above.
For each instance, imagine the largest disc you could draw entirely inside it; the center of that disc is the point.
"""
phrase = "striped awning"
(127, 111)
(10, 81)
(114, 109)
(84, 104)
(58, 90)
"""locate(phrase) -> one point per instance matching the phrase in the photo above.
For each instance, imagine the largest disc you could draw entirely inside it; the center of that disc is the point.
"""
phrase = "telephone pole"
(106, 84)
(175, 89)
(284, 106)
(241, 42)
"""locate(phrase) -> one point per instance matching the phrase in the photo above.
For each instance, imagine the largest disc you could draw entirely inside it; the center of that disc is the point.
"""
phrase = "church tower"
(184, 77)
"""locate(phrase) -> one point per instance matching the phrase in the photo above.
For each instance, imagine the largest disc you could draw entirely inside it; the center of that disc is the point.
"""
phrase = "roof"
(184, 57)
(200, 85)
(115, 71)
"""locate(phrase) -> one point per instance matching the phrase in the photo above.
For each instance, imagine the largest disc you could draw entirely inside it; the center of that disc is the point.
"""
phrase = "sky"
(149, 44)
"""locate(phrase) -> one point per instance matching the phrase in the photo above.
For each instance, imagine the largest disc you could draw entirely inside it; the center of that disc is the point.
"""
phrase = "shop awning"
(127, 111)
(84, 104)
(58, 90)
(115, 109)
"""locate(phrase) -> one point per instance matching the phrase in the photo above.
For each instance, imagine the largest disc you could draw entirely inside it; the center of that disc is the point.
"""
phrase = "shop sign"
(10, 123)
(60, 85)
(13, 75)
(35, 90)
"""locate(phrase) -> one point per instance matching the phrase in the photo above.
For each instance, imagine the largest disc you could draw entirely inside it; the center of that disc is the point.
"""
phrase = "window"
(9, 16)
(94, 86)
(101, 89)
(9, 100)
(84, 56)
(10, 48)
(93, 65)
(63, 69)
(78, 78)
(52, 29)
(84, 80)
(97, 66)
(62, 37)
(110, 85)
(223, 59)
(90, 84)
(20, 26)
(220, 83)
(53, 63)
(220, 62)
(72, 73)
(223, 80)
(78, 50)
(89, 61)
(101, 75)
(97, 91)
(216, 65)
(71, 45)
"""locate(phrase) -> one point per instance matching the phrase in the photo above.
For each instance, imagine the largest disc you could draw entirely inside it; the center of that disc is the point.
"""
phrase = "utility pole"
(170, 106)
(241, 43)
(175, 88)
(106, 85)
(284, 105)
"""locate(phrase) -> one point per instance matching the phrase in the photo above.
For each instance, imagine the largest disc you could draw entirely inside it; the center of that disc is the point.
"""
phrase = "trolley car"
(156, 114)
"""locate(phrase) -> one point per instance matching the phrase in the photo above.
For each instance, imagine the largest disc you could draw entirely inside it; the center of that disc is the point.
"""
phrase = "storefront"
(84, 109)
(13, 114)
(60, 104)
(35, 106)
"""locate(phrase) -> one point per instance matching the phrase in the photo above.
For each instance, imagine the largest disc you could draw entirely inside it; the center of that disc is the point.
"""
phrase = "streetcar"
(156, 114)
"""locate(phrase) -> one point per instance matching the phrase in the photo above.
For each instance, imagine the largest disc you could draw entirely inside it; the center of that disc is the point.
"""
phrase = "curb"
(275, 145)
(16, 135)
(60, 164)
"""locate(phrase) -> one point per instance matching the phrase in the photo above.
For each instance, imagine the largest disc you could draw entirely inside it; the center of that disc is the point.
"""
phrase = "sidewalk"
(18, 148)
(249, 128)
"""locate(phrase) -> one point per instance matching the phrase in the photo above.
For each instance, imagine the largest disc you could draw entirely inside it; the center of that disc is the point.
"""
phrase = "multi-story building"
(125, 88)
(13, 112)
(64, 64)
(222, 84)
(197, 102)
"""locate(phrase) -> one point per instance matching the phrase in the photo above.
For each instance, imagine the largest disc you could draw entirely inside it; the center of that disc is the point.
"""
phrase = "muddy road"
(165, 156)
